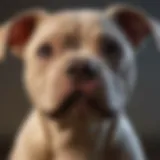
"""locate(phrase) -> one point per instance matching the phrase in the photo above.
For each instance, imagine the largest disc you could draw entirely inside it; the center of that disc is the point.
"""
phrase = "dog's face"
(80, 62)
(67, 54)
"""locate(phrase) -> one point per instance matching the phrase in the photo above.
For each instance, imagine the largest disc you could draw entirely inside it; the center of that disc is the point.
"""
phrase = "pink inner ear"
(135, 26)
(21, 31)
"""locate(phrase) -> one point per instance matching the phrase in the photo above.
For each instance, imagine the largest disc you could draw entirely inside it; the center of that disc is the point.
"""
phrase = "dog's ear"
(135, 23)
(15, 34)
(2, 43)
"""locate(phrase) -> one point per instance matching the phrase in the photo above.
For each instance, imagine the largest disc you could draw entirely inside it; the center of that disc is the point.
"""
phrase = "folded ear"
(135, 23)
(15, 34)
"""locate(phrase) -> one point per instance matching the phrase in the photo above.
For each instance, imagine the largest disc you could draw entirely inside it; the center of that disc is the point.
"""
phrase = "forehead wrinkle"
(91, 25)
(75, 18)
(82, 19)
(82, 22)
(60, 24)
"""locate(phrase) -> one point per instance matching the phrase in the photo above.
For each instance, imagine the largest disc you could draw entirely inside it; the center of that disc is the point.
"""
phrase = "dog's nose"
(83, 70)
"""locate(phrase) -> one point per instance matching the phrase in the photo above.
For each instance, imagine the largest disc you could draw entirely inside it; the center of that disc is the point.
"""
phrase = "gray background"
(144, 108)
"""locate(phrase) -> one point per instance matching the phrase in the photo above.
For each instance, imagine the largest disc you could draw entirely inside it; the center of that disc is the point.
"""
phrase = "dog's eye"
(109, 46)
(111, 49)
(45, 50)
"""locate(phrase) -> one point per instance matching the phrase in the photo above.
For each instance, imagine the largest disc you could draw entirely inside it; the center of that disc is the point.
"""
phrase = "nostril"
(83, 70)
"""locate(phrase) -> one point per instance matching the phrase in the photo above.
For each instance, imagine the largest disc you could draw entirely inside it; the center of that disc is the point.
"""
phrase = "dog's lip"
(100, 107)
(65, 105)
(68, 103)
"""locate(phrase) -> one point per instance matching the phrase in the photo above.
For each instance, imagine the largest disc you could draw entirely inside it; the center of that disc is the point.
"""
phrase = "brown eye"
(45, 50)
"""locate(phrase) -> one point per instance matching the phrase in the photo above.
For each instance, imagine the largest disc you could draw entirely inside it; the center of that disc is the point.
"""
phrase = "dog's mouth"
(84, 92)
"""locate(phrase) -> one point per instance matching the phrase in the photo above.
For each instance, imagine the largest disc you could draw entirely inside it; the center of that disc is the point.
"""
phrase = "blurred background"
(144, 107)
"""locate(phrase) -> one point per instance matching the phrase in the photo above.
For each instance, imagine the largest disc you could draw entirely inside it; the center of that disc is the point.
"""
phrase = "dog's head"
(78, 59)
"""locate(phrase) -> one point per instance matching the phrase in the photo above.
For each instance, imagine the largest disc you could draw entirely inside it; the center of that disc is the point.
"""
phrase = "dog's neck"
(75, 138)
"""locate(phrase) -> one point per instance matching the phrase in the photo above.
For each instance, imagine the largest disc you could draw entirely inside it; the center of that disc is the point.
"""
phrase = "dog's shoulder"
(30, 139)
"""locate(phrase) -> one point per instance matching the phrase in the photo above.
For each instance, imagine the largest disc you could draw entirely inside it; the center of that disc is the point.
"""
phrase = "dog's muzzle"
(85, 75)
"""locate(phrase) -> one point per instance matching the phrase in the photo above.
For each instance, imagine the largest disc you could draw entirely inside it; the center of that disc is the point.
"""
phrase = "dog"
(79, 72)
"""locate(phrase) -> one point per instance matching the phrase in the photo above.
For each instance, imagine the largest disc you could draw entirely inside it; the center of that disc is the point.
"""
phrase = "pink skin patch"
(88, 87)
